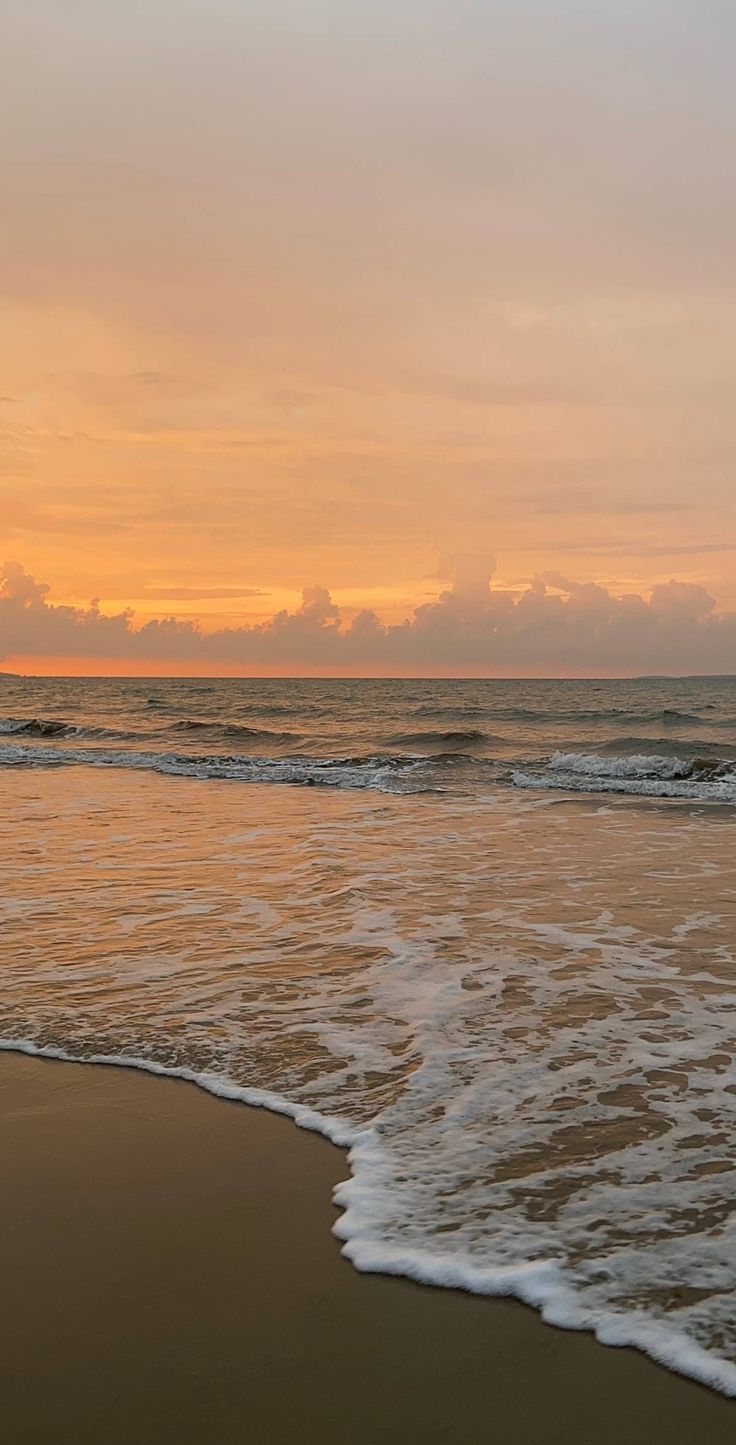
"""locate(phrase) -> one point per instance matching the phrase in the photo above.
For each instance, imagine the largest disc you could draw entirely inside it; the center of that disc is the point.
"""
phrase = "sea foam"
(704, 780)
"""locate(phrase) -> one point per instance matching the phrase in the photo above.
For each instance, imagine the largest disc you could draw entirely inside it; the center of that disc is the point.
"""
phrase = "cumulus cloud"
(19, 587)
(556, 624)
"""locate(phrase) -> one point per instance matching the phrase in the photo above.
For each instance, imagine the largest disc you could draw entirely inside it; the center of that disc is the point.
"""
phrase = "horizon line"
(367, 677)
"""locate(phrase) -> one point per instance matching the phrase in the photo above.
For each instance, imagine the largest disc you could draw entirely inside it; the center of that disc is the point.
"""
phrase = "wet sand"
(169, 1276)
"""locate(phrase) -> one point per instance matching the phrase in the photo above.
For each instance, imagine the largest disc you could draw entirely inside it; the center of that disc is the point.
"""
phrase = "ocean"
(482, 933)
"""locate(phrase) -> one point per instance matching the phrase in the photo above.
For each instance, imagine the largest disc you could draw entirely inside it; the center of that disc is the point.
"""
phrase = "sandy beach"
(169, 1275)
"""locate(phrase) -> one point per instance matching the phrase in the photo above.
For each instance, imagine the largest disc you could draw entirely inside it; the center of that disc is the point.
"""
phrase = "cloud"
(197, 594)
(556, 625)
(18, 587)
(471, 578)
(18, 516)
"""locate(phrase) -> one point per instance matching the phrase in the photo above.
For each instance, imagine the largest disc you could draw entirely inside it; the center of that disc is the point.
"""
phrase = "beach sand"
(169, 1275)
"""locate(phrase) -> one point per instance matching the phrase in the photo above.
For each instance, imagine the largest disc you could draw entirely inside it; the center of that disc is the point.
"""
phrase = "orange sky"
(331, 294)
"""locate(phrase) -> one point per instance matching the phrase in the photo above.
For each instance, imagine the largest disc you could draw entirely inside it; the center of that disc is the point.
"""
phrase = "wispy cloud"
(195, 594)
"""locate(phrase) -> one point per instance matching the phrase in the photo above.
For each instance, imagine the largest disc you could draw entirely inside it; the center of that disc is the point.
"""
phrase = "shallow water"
(516, 1003)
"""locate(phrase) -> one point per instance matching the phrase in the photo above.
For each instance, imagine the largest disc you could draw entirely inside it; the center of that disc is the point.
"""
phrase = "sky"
(388, 338)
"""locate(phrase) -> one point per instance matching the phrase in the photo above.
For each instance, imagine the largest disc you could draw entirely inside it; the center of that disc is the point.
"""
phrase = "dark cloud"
(557, 624)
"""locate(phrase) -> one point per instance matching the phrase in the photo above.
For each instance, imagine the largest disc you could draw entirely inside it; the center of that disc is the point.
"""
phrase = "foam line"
(535, 1283)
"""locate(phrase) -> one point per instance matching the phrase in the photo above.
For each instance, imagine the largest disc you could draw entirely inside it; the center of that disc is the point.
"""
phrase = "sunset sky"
(319, 294)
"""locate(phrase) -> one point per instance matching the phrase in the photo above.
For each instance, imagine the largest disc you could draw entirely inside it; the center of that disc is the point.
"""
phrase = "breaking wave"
(668, 746)
(708, 780)
(57, 729)
(61, 730)
(386, 774)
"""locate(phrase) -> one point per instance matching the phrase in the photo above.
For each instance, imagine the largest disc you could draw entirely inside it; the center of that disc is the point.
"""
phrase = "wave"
(305, 709)
(695, 779)
(700, 747)
(668, 716)
(539, 1283)
(37, 727)
(59, 730)
(455, 738)
(385, 774)
(464, 710)
(231, 731)
(258, 709)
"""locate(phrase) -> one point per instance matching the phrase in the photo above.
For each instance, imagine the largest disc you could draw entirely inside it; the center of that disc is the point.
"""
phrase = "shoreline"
(170, 1275)
(530, 1285)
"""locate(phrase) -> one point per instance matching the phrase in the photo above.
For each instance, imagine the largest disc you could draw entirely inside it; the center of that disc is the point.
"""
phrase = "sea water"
(482, 933)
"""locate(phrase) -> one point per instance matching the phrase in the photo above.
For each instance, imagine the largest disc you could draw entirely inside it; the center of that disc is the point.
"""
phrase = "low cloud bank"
(557, 624)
